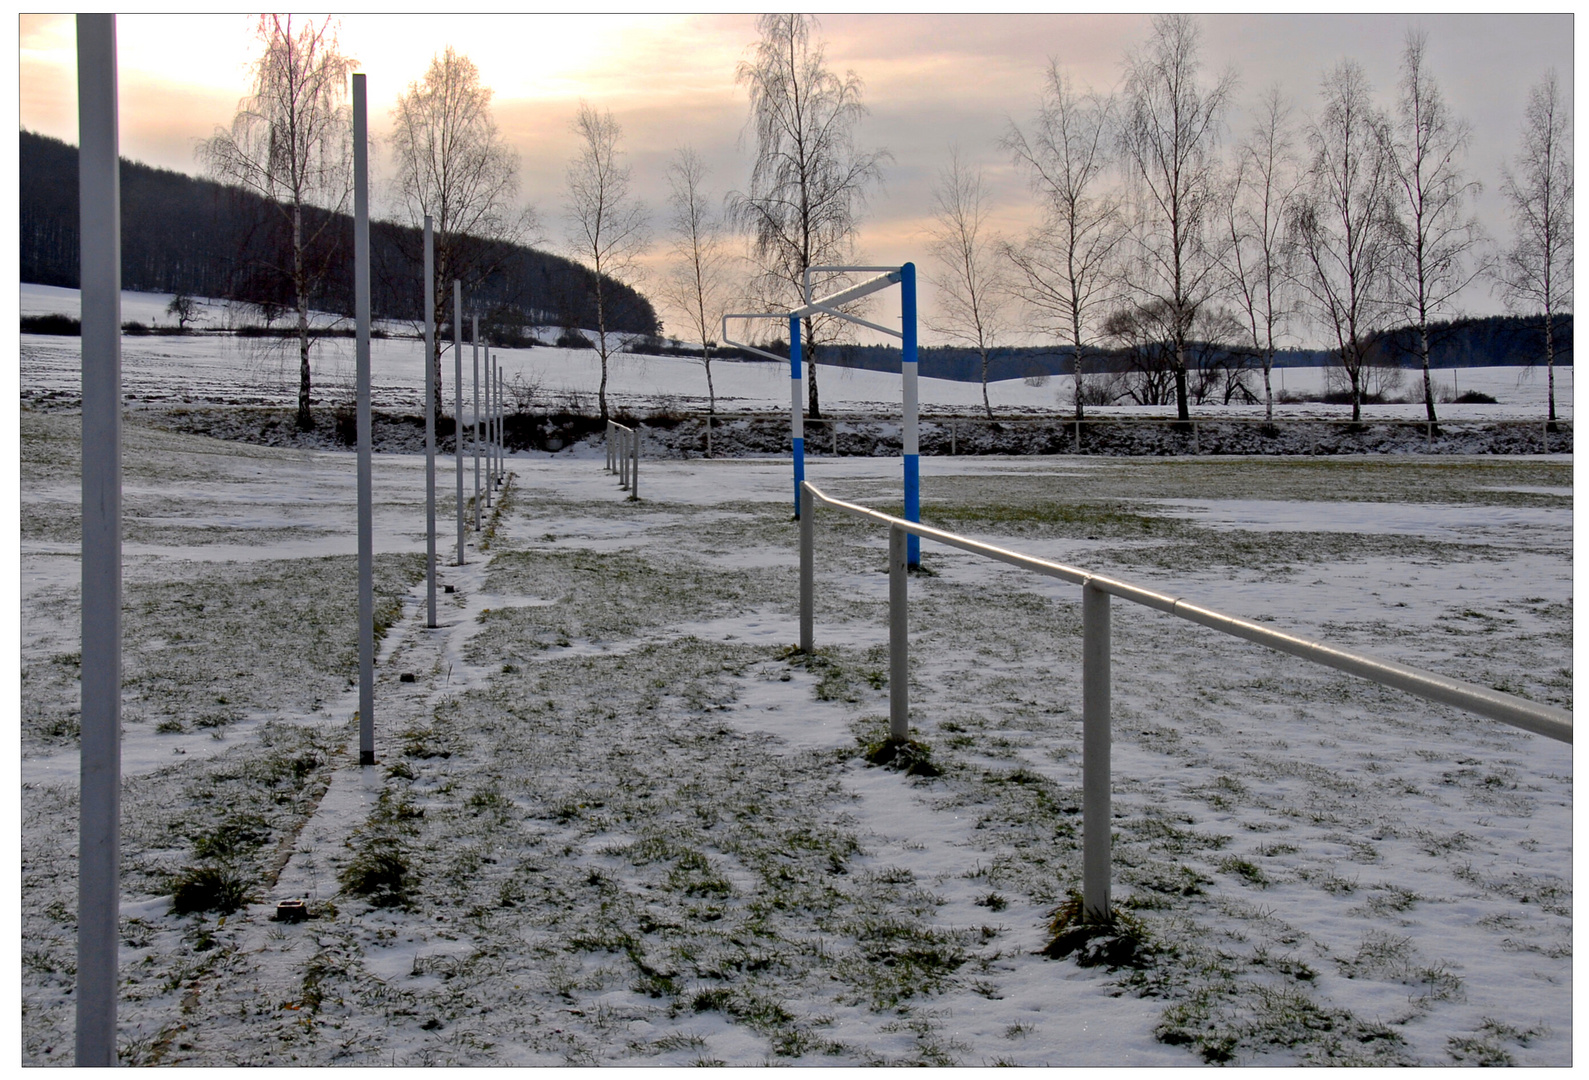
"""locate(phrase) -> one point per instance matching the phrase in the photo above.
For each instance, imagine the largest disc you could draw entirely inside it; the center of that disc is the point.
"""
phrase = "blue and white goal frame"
(903, 276)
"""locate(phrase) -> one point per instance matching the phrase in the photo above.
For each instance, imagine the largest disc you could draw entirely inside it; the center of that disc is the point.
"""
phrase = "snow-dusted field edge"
(637, 833)
(221, 369)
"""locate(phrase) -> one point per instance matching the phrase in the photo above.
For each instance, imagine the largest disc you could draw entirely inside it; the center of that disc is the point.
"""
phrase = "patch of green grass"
(1118, 941)
(208, 888)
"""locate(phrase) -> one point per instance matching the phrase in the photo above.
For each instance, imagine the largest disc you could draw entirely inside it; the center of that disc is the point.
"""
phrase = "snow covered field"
(615, 821)
(223, 369)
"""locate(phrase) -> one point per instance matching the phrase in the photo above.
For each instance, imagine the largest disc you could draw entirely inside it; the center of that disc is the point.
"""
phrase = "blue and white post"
(907, 371)
(796, 415)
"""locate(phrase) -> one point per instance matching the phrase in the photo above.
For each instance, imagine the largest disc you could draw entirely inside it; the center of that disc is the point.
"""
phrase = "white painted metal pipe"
(490, 461)
(898, 637)
(1095, 748)
(808, 557)
(361, 379)
(1519, 712)
(634, 468)
(457, 404)
(430, 427)
(99, 802)
(475, 340)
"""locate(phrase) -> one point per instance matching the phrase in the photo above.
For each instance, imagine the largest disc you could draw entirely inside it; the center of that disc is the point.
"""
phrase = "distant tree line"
(201, 238)
(1491, 341)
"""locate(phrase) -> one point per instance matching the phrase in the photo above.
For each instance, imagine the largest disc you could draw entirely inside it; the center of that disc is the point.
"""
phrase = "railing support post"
(808, 557)
(634, 467)
(898, 636)
(1095, 742)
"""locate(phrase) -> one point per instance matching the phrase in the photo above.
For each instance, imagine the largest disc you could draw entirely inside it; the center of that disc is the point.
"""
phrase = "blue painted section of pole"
(99, 748)
(361, 397)
(912, 435)
(796, 416)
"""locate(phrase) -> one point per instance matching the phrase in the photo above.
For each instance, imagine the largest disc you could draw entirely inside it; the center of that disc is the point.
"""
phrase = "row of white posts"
(1095, 664)
(99, 806)
(623, 457)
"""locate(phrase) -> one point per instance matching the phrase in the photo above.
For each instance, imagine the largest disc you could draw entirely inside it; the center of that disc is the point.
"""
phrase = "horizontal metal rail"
(1096, 590)
(1531, 716)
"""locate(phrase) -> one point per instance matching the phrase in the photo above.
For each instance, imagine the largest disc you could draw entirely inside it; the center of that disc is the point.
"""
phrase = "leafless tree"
(1537, 272)
(973, 292)
(698, 281)
(1437, 239)
(1265, 183)
(1169, 139)
(291, 142)
(809, 183)
(1065, 267)
(1343, 225)
(453, 165)
(607, 225)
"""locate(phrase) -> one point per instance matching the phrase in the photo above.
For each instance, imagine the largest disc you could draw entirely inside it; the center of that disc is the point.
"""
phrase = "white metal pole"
(898, 636)
(99, 802)
(1095, 746)
(361, 378)
(634, 471)
(490, 464)
(475, 338)
(502, 437)
(808, 559)
(457, 404)
(430, 427)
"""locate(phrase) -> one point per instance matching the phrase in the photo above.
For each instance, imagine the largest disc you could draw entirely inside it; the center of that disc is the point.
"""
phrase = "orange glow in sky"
(930, 82)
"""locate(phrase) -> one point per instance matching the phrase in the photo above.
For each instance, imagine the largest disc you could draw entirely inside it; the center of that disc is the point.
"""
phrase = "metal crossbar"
(1530, 716)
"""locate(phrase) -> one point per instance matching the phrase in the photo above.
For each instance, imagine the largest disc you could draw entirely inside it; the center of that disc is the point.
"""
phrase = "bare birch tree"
(1437, 240)
(291, 142)
(1343, 225)
(809, 183)
(1537, 273)
(973, 292)
(697, 282)
(1066, 266)
(1265, 183)
(607, 225)
(453, 165)
(1169, 138)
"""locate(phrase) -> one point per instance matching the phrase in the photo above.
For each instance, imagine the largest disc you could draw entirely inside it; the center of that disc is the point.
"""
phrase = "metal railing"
(623, 457)
(1095, 661)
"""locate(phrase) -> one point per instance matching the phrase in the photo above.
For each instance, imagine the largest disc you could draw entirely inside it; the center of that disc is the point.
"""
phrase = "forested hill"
(185, 235)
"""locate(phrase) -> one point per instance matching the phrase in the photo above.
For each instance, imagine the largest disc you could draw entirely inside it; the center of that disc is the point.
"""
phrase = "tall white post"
(457, 404)
(1095, 747)
(361, 379)
(502, 434)
(99, 802)
(490, 464)
(808, 561)
(475, 337)
(898, 636)
(430, 427)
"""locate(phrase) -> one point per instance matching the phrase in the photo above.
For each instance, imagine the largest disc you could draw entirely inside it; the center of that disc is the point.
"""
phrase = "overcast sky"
(931, 81)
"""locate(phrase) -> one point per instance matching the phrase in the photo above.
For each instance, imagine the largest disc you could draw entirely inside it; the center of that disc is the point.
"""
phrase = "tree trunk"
(813, 405)
(1268, 388)
(1182, 407)
(301, 287)
(1423, 354)
(1550, 365)
(985, 405)
(711, 395)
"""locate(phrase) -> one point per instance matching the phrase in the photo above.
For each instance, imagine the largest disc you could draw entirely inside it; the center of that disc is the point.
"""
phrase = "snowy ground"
(615, 821)
(224, 369)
